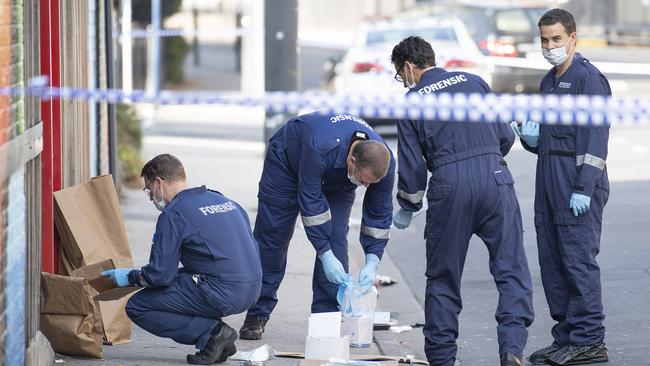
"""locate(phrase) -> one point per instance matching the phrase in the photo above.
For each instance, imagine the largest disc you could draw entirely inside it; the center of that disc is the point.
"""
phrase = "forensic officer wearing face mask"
(313, 166)
(470, 192)
(571, 192)
(211, 236)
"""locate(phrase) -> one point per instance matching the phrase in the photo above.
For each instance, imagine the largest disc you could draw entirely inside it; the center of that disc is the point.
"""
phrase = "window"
(447, 34)
(512, 21)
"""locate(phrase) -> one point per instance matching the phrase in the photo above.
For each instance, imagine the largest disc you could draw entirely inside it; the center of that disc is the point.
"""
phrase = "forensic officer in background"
(471, 191)
(571, 192)
(221, 274)
(313, 166)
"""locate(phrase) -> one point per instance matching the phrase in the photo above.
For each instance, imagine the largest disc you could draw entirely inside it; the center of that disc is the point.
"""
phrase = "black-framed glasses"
(147, 190)
(397, 76)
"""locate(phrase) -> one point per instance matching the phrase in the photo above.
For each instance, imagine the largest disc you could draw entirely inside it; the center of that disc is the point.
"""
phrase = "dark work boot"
(252, 328)
(540, 356)
(578, 355)
(219, 347)
(510, 359)
(228, 351)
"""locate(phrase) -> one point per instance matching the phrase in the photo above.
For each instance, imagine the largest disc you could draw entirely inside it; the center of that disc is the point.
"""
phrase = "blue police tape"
(188, 33)
(504, 108)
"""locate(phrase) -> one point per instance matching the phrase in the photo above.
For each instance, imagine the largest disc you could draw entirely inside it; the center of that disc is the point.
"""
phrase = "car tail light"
(367, 66)
(459, 64)
(504, 46)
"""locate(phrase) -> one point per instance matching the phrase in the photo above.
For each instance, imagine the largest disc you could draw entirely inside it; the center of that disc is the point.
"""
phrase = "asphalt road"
(625, 250)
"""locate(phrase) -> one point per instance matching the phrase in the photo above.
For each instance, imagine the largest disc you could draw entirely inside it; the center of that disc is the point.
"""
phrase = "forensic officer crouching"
(221, 274)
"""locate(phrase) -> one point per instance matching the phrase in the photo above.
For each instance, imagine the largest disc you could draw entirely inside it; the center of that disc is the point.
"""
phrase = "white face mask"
(353, 179)
(411, 84)
(159, 204)
(556, 56)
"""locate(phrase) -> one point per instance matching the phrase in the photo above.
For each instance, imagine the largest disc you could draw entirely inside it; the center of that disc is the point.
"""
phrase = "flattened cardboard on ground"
(378, 358)
(89, 221)
(107, 290)
(70, 317)
(320, 362)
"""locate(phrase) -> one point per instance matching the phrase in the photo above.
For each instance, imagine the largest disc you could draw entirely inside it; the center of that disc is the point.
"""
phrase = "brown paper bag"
(107, 290)
(70, 317)
(89, 221)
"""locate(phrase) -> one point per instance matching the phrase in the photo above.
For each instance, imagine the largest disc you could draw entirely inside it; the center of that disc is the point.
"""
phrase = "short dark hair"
(561, 16)
(413, 49)
(373, 155)
(165, 166)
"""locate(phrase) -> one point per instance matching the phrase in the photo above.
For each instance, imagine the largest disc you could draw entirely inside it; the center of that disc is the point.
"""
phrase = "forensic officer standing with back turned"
(571, 192)
(471, 191)
(313, 166)
(221, 274)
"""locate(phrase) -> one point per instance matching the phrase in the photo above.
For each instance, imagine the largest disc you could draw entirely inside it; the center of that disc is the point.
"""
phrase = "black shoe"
(252, 328)
(219, 347)
(228, 351)
(509, 359)
(577, 355)
(540, 356)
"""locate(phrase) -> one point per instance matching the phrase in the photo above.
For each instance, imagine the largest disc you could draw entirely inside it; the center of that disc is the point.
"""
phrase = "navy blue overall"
(221, 274)
(471, 191)
(572, 159)
(305, 173)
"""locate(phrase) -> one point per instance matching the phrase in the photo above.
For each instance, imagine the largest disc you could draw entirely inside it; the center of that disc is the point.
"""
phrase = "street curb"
(401, 302)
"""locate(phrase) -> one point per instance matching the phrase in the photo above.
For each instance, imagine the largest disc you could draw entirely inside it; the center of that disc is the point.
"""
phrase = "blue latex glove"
(333, 268)
(119, 276)
(529, 132)
(579, 203)
(367, 273)
(402, 218)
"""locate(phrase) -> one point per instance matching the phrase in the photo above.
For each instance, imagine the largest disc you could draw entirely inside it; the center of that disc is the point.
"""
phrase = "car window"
(447, 34)
(475, 22)
(512, 21)
(534, 14)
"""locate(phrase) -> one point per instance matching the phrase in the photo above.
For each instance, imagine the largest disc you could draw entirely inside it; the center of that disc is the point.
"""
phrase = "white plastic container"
(358, 317)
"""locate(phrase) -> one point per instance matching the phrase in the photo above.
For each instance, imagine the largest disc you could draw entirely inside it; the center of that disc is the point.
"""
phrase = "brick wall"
(12, 190)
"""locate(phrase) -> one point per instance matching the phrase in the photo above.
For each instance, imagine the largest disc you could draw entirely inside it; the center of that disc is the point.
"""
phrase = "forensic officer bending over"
(313, 166)
(221, 274)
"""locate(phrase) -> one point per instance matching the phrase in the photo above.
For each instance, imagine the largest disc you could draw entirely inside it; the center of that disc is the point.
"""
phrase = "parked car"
(499, 29)
(366, 67)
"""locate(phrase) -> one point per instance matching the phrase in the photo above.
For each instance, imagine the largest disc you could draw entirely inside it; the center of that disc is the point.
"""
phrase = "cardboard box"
(324, 324)
(324, 339)
(107, 290)
(324, 348)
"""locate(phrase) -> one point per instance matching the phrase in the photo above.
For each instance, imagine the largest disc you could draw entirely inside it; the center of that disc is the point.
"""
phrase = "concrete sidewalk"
(236, 174)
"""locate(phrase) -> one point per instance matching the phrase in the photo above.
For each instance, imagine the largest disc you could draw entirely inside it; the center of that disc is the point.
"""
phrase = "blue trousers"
(474, 196)
(274, 226)
(186, 311)
(568, 247)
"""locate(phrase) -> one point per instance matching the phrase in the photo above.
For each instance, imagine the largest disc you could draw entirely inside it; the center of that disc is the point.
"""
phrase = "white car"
(366, 68)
